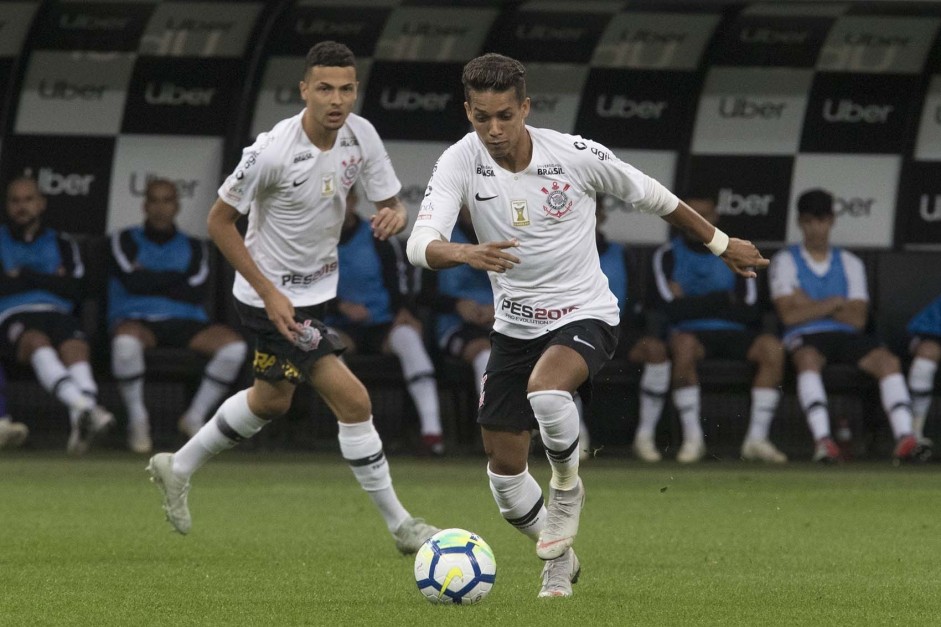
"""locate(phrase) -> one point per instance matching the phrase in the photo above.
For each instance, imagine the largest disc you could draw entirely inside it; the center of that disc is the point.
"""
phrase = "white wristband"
(719, 243)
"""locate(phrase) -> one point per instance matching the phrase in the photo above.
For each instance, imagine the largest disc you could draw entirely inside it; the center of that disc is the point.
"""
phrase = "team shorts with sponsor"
(726, 343)
(454, 342)
(503, 403)
(276, 358)
(838, 347)
(176, 332)
(57, 326)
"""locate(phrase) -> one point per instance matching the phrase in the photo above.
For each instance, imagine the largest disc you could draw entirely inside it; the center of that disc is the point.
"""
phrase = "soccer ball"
(455, 566)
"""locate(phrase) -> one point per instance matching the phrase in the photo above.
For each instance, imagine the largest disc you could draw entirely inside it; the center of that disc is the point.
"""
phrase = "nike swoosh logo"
(581, 341)
(301, 182)
(479, 197)
(454, 572)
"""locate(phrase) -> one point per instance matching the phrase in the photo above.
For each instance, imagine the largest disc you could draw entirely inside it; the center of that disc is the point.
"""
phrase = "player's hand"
(492, 256)
(281, 313)
(354, 311)
(386, 223)
(743, 258)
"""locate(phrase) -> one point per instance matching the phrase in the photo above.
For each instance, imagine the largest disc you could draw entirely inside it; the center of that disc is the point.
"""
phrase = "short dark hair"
(816, 202)
(331, 54)
(494, 72)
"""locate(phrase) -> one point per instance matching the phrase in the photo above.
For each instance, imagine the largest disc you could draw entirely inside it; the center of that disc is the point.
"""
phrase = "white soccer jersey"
(783, 280)
(550, 208)
(295, 198)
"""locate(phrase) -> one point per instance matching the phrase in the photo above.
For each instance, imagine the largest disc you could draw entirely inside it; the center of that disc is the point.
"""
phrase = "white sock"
(921, 385)
(220, 373)
(362, 449)
(764, 402)
(81, 374)
(127, 366)
(654, 385)
(687, 402)
(419, 372)
(813, 400)
(55, 379)
(897, 403)
(558, 425)
(233, 422)
(520, 500)
(480, 368)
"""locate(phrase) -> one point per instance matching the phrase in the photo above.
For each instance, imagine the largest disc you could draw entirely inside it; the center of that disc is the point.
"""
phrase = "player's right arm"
(225, 234)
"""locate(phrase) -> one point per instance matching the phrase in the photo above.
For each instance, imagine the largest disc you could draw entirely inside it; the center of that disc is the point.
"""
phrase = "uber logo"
(430, 29)
(853, 207)
(623, 107)
(174, 95)
(930, 208)
(849, 111)
(82, 21)
(315, 26)
(863, 51)
(287, 94)
(51, 183)
(741, 107)
(186, 188)
(408, 100)
(63, 90)
(543, 104)
(732, 204)
(772, 36)
(545, 32)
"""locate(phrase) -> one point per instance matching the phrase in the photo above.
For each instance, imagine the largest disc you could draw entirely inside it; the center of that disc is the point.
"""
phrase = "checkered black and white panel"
(15, 20)
(640, 101)
(919, 202)
(116, 93)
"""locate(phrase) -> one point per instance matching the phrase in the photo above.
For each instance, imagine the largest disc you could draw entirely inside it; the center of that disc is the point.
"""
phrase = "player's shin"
(557, 416)
(520, 500)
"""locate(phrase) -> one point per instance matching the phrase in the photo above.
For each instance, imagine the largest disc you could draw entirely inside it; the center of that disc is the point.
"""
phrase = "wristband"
(719, 243)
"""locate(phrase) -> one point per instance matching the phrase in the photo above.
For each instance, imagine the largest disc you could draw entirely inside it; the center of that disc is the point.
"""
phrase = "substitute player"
(293, 183)
(531, 193)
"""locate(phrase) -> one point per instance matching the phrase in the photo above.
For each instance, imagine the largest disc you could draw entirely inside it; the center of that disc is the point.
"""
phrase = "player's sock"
(520, 500)
(220, 373)
(233, 422)
(764, 402)
(362, 449)
(80, 372)
(897, 404)
(921, 384)
(419, 372)
(558, 425)
(813, 400)
(654, 385)
(54, 378)
(480, 368)
(687, 401)
(127, 366)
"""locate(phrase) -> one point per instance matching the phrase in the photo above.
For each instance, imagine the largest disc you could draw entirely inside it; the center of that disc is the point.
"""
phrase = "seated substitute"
(634, 343)
(821, 297)
(41, 275)
(12, 434)
(156, 290)
(712, 312)
(925, 329)
(371, 314)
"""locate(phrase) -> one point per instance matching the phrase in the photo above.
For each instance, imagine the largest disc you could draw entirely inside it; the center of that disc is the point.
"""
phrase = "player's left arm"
(389, 219)
(741, 256)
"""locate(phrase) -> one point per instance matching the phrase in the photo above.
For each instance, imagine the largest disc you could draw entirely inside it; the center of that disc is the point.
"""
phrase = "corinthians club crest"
(557, 201)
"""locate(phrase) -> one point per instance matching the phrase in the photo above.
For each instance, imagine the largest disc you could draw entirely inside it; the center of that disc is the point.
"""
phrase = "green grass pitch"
(291, 540)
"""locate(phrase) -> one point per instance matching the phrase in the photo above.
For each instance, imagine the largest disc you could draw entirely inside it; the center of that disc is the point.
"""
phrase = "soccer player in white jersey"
(293, 183)
(531, 193)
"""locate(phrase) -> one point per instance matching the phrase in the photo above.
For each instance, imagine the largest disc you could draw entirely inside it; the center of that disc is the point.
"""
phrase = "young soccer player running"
(531, 193)
(293, 182)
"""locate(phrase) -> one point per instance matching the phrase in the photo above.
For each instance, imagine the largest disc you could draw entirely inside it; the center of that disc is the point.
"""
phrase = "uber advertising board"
(413, 162)
(928, 142)
(72, 173)
(860, 113)
(623, 222)
(919, 205)
(192, 163)
(280, 97)
(199, 29)
(99, 26)
(654, 41)
(751, 193)
(864, 191)
(434, 33)
(555, 91)
(547, 36)
(771, 40)
(74, 93)
(638, 108)
(751, 111)
(15, 20)
(303, 25)
(409, 100)
(182, 96)
(878, 44)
